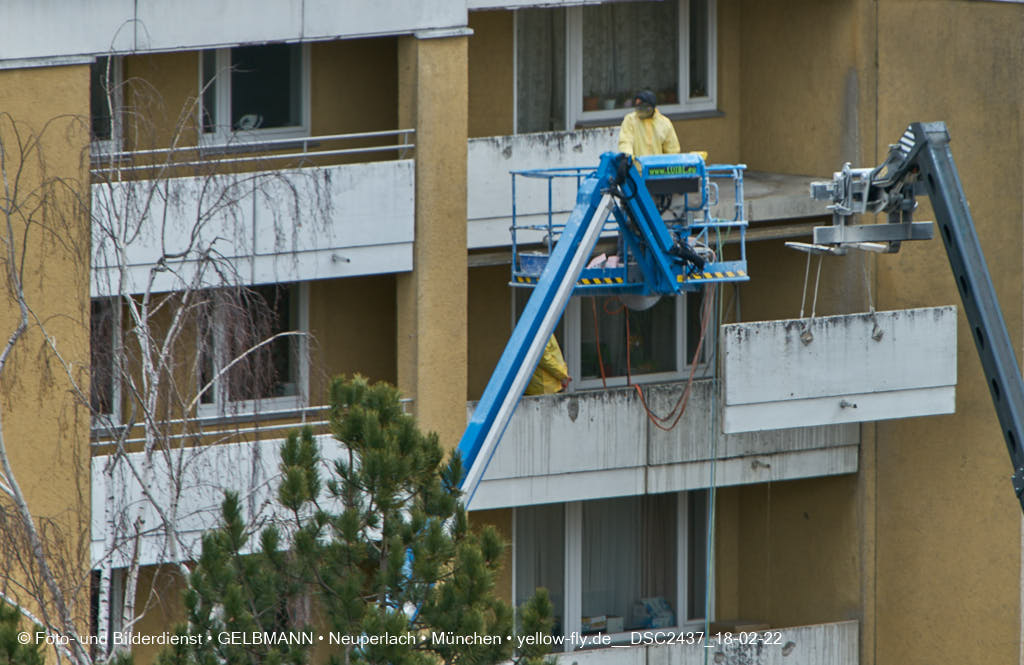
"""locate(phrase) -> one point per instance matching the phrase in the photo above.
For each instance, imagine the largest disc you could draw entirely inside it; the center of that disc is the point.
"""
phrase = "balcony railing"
(290, 152)
(228, 428)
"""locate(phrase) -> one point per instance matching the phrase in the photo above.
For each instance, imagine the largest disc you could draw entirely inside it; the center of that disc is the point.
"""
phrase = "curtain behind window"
(629, 553)
(540, 554)
(699, 48)
(540, 70)
(629, 47)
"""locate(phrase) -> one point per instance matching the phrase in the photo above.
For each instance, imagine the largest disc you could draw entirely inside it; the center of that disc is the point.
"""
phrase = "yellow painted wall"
(491, 75)
(160, 92)
(431, 300)
(352, 323)
(788, 553)
(720, 136)
(778, 275)
(949, 527)
(727, 553)
(161, 589)
(933, 517)
(45, 431)
(803, 92)
(501, 520)
(490, 323)
(797, 551)
(354, 88)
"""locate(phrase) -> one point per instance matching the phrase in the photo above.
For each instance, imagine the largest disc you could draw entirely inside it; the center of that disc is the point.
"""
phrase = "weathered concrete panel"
(773, 379)
(600, 443)
(489, 185)
(28, 28)
(560, 487)
(571, 434)
(698, 437)
(47, 28)
(160, 25)
(283, 226)
(193, 480)
(752, 469)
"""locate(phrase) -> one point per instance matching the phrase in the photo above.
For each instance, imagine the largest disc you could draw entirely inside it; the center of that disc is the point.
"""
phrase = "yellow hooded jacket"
(551, 371)
(647, 136)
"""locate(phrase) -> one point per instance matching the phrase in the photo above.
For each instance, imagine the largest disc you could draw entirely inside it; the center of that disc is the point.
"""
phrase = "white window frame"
(222, 406)
(224, 133)
(572, 613)
(574, 71)
(573, 332)
(115, 142)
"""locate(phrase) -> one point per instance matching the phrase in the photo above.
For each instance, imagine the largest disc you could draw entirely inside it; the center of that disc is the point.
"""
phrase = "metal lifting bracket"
(889, 187)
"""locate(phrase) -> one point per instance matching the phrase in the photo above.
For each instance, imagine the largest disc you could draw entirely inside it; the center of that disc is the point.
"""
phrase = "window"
(256, 89)
(616, 565)
(105, 360)
(586, 63)
(243, 370)
(105, 102)
(606, 343)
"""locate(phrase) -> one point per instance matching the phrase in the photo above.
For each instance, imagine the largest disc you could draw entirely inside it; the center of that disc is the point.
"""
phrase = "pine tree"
(12, 651)
(378, 549)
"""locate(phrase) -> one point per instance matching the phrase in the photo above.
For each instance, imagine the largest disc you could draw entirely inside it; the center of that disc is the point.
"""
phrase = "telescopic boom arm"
(922, 163)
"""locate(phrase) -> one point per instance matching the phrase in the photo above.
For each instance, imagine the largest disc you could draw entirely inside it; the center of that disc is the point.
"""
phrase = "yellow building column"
(44, 140)
(431, 299)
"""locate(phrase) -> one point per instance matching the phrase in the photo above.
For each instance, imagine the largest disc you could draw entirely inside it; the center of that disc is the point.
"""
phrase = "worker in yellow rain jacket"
(551, 375)
(645, 131)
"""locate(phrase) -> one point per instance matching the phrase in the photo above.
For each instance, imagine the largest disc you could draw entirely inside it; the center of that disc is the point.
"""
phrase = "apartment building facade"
(350, 163)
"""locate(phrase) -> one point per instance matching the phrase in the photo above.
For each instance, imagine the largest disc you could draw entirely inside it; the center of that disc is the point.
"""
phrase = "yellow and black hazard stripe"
(600, 281)
(588, 281)
(727, 274)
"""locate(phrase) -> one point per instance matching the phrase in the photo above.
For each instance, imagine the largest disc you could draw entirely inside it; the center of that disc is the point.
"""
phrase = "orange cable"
(684, 399)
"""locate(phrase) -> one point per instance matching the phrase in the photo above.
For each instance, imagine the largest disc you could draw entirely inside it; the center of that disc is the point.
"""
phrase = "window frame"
(574, 113)
(221, 406)
(571, 611)
(224, 133)
(573, 352)
(569, 333)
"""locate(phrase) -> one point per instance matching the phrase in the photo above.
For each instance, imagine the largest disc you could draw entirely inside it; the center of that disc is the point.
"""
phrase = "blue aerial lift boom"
(659, 256)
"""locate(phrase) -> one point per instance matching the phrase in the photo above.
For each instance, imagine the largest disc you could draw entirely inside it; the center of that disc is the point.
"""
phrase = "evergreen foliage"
(12, 651)
(374, 545)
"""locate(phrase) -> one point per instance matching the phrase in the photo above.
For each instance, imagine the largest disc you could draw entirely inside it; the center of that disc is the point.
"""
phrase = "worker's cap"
(645, 97)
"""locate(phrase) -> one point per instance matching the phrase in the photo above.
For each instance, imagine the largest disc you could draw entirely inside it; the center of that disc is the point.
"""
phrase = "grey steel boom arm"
(922, 163)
